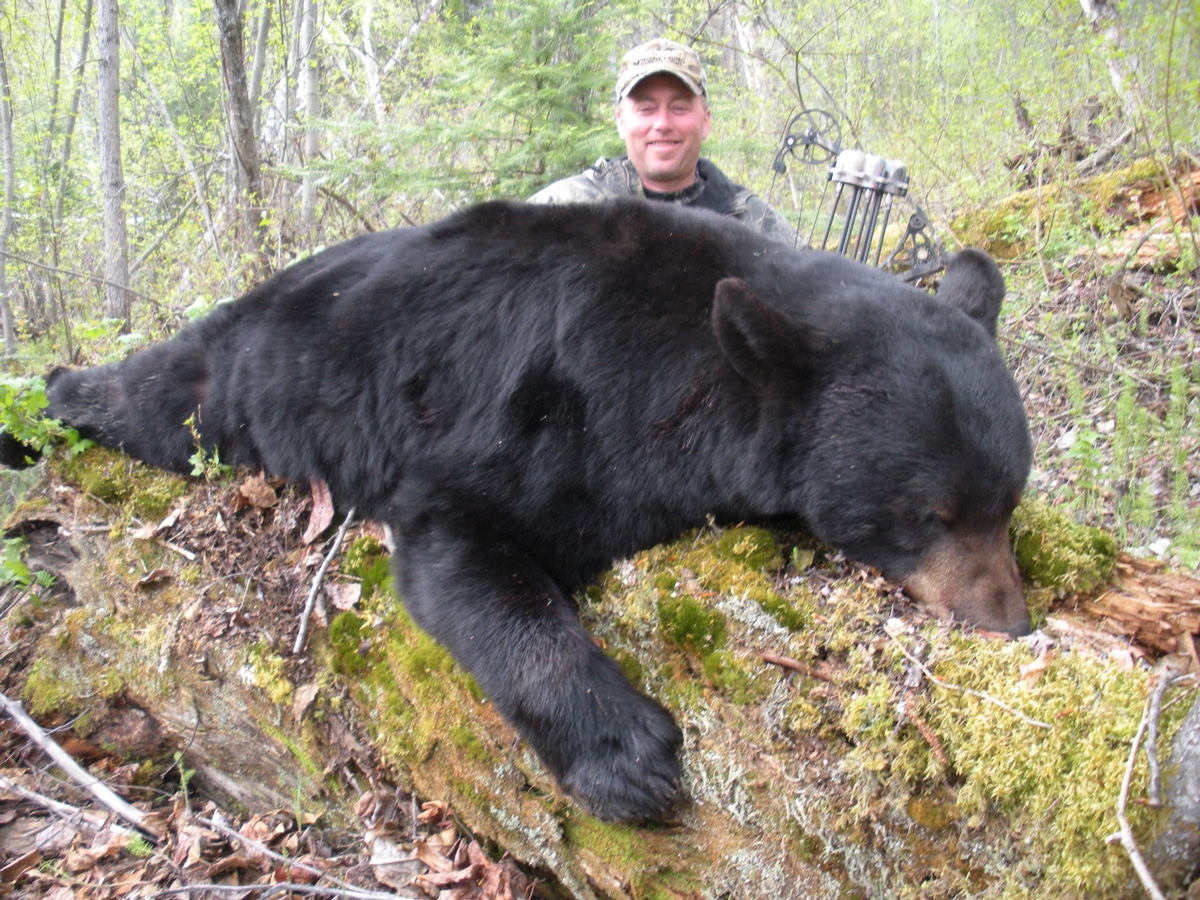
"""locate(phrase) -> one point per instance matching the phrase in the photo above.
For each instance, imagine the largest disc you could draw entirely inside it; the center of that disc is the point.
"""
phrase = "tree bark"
(10, 192)
(1122, 65)
(116, 244)
(239, 122)
(262, 34)
(72, 115)
(1175, 854)
(310, 96)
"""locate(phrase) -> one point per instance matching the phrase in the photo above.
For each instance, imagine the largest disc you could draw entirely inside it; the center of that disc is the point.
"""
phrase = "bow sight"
(871, 187)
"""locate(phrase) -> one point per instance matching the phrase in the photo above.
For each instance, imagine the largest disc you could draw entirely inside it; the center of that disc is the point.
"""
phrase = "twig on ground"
(282, 887)
(98, 789)
(298, 647)
(337, 883)
(1168, 673)
(89, 818)
(1125, 835)
(966, 690)
(795, 665)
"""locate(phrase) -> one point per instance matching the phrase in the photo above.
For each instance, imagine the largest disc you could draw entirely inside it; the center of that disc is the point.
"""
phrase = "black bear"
(526, 392)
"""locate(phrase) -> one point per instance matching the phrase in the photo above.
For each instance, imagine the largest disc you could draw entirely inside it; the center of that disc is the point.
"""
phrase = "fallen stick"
(1125, 835)
(795, 665)
(90, 819)
(298, 647)
(78, 774)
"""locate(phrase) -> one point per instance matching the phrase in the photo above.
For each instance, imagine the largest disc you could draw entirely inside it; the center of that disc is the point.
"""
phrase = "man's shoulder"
(605, 179)
(738, 202)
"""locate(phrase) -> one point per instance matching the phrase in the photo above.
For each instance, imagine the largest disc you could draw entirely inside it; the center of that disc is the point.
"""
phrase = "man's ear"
(974, 284)
(760, 342)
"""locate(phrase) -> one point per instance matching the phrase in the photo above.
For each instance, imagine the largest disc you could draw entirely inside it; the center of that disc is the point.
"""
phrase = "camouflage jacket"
(712, 190)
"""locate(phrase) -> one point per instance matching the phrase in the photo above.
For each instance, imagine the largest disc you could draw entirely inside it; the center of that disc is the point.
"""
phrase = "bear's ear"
(974, 284)
(759, 341)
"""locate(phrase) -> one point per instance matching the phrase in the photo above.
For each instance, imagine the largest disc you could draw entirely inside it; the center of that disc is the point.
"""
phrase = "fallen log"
(820, 759)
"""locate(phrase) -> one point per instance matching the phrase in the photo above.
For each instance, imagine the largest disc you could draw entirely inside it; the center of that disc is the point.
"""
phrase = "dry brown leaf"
(257, 493)
(322, 511)
(433, 811)
(1031, 673)
(146, 533)
(13, 870)
(457, 878)
(344, 596)
(303, 700)
(432, 857)
(154, 579)
(56, 838)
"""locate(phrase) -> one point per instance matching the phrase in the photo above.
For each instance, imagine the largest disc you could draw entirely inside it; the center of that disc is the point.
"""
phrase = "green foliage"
(206, 464)
(21, 403)
(14, 571)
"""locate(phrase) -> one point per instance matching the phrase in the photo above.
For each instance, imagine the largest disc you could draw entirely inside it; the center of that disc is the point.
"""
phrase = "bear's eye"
(946, 514)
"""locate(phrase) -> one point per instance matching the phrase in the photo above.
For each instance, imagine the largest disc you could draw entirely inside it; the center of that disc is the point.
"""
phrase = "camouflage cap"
(660, 55)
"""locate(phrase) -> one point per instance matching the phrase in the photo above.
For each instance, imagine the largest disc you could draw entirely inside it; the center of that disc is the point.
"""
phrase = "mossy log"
(840, 769)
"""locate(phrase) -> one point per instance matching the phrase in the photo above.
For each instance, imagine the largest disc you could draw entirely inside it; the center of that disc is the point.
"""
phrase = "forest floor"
(1089, 351)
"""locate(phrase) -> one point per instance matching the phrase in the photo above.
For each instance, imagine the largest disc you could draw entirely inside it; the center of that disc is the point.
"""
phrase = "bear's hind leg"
(503, 618)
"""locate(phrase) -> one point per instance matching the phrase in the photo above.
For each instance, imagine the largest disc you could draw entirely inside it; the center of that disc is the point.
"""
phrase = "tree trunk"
(262, 35)
(72, 115)
(310, 96)
(116, 245)
(10, 196)
(1122, 65)
(239, 121)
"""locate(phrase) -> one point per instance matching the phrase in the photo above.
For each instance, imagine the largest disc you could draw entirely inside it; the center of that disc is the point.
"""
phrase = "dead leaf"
(432, 857)
(13, 870)
(55, 838)
(303, 700)
(154, 579)
(344, 596)
(1031, 673)
(322, 511)
(392, 865)
(257, 493)
(145, 533)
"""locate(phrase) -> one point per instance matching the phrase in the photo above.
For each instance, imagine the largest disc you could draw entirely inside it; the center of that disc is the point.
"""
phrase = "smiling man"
(663, 117)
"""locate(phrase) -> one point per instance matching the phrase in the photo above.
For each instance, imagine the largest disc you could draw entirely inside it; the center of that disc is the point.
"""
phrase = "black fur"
(526, 392)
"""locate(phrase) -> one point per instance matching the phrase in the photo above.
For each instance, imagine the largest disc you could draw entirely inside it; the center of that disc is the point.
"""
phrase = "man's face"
(663, 124)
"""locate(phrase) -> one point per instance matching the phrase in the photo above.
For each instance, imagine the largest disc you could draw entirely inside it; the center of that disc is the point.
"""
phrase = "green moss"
(466, 740)
(754, 548)
(785, 612)
(55, 687)
(690, 625)
(270, 673)
(735, 678)
(117, 480)
(346, 635)
(366, 559)
(1055, 552)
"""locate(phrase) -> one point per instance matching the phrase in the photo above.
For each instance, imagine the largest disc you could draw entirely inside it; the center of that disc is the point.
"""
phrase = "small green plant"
(139, 848)
(185, 775)
(13, 569)
(21, 403)
(204, 464)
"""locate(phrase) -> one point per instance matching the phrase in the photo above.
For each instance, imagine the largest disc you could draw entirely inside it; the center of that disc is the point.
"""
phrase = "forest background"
(163, 156)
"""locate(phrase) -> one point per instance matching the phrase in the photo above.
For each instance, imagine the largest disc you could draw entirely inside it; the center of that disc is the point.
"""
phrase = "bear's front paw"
(631, 773)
